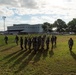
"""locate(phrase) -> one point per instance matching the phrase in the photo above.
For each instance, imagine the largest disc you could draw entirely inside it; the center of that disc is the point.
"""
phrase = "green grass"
(59, 61)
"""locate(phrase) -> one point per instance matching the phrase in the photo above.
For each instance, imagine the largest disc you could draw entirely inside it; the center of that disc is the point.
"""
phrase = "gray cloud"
(19, 3)
(28, 3)
(9, 2)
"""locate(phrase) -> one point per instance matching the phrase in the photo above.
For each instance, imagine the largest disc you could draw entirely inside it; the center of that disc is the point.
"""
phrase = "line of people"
(37, 42)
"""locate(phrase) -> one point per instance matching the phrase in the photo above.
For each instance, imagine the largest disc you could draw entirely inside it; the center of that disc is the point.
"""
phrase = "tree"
(47, 27)
(60, 24)
(72, 26)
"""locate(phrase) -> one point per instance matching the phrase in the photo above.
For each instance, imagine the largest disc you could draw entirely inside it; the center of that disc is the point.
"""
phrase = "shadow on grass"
(73, 54)
(25, 62)
(19, 60)
(38, 55)
(2, 45)
(45, 53)
(53, 47)
(15, 56)
(10, 55)
(7, 48)
(51, 53)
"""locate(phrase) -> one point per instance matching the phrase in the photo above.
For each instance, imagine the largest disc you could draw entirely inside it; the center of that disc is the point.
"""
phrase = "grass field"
(59, 61)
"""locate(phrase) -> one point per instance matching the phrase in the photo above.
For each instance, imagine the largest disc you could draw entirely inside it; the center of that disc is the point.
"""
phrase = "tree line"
(60, 26)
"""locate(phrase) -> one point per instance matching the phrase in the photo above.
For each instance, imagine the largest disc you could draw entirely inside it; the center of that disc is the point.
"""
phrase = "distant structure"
(25, 28)
(4, 17)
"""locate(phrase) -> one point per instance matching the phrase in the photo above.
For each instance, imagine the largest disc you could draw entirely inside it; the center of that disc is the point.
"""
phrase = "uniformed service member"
(70, 43)
(47, 43)
(21, 43)
(6, 39)
(52, 41)
(55, 40)
(29, 44)
(16, 39)
(25, 43)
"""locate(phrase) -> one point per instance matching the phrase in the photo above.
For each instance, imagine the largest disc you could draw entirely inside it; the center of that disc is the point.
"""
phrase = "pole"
(4, 21)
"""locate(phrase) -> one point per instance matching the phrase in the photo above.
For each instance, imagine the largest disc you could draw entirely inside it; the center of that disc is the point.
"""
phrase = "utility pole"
(4, 17)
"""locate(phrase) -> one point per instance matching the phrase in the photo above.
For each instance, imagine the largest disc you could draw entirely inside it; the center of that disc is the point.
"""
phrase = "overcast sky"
(36, 11)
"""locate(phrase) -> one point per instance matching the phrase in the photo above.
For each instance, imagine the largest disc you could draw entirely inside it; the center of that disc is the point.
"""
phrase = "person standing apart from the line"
(6, 39)
(70, 43)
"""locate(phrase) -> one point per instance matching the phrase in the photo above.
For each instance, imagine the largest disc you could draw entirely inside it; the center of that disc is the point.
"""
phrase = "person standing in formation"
(52, 41)
(29, 44)
(55, 39)
(25, 43)
(47, 43)
(16, 39)
(21, 43)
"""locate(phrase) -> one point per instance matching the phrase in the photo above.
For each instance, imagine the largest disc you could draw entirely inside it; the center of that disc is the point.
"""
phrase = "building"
(25, 28)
